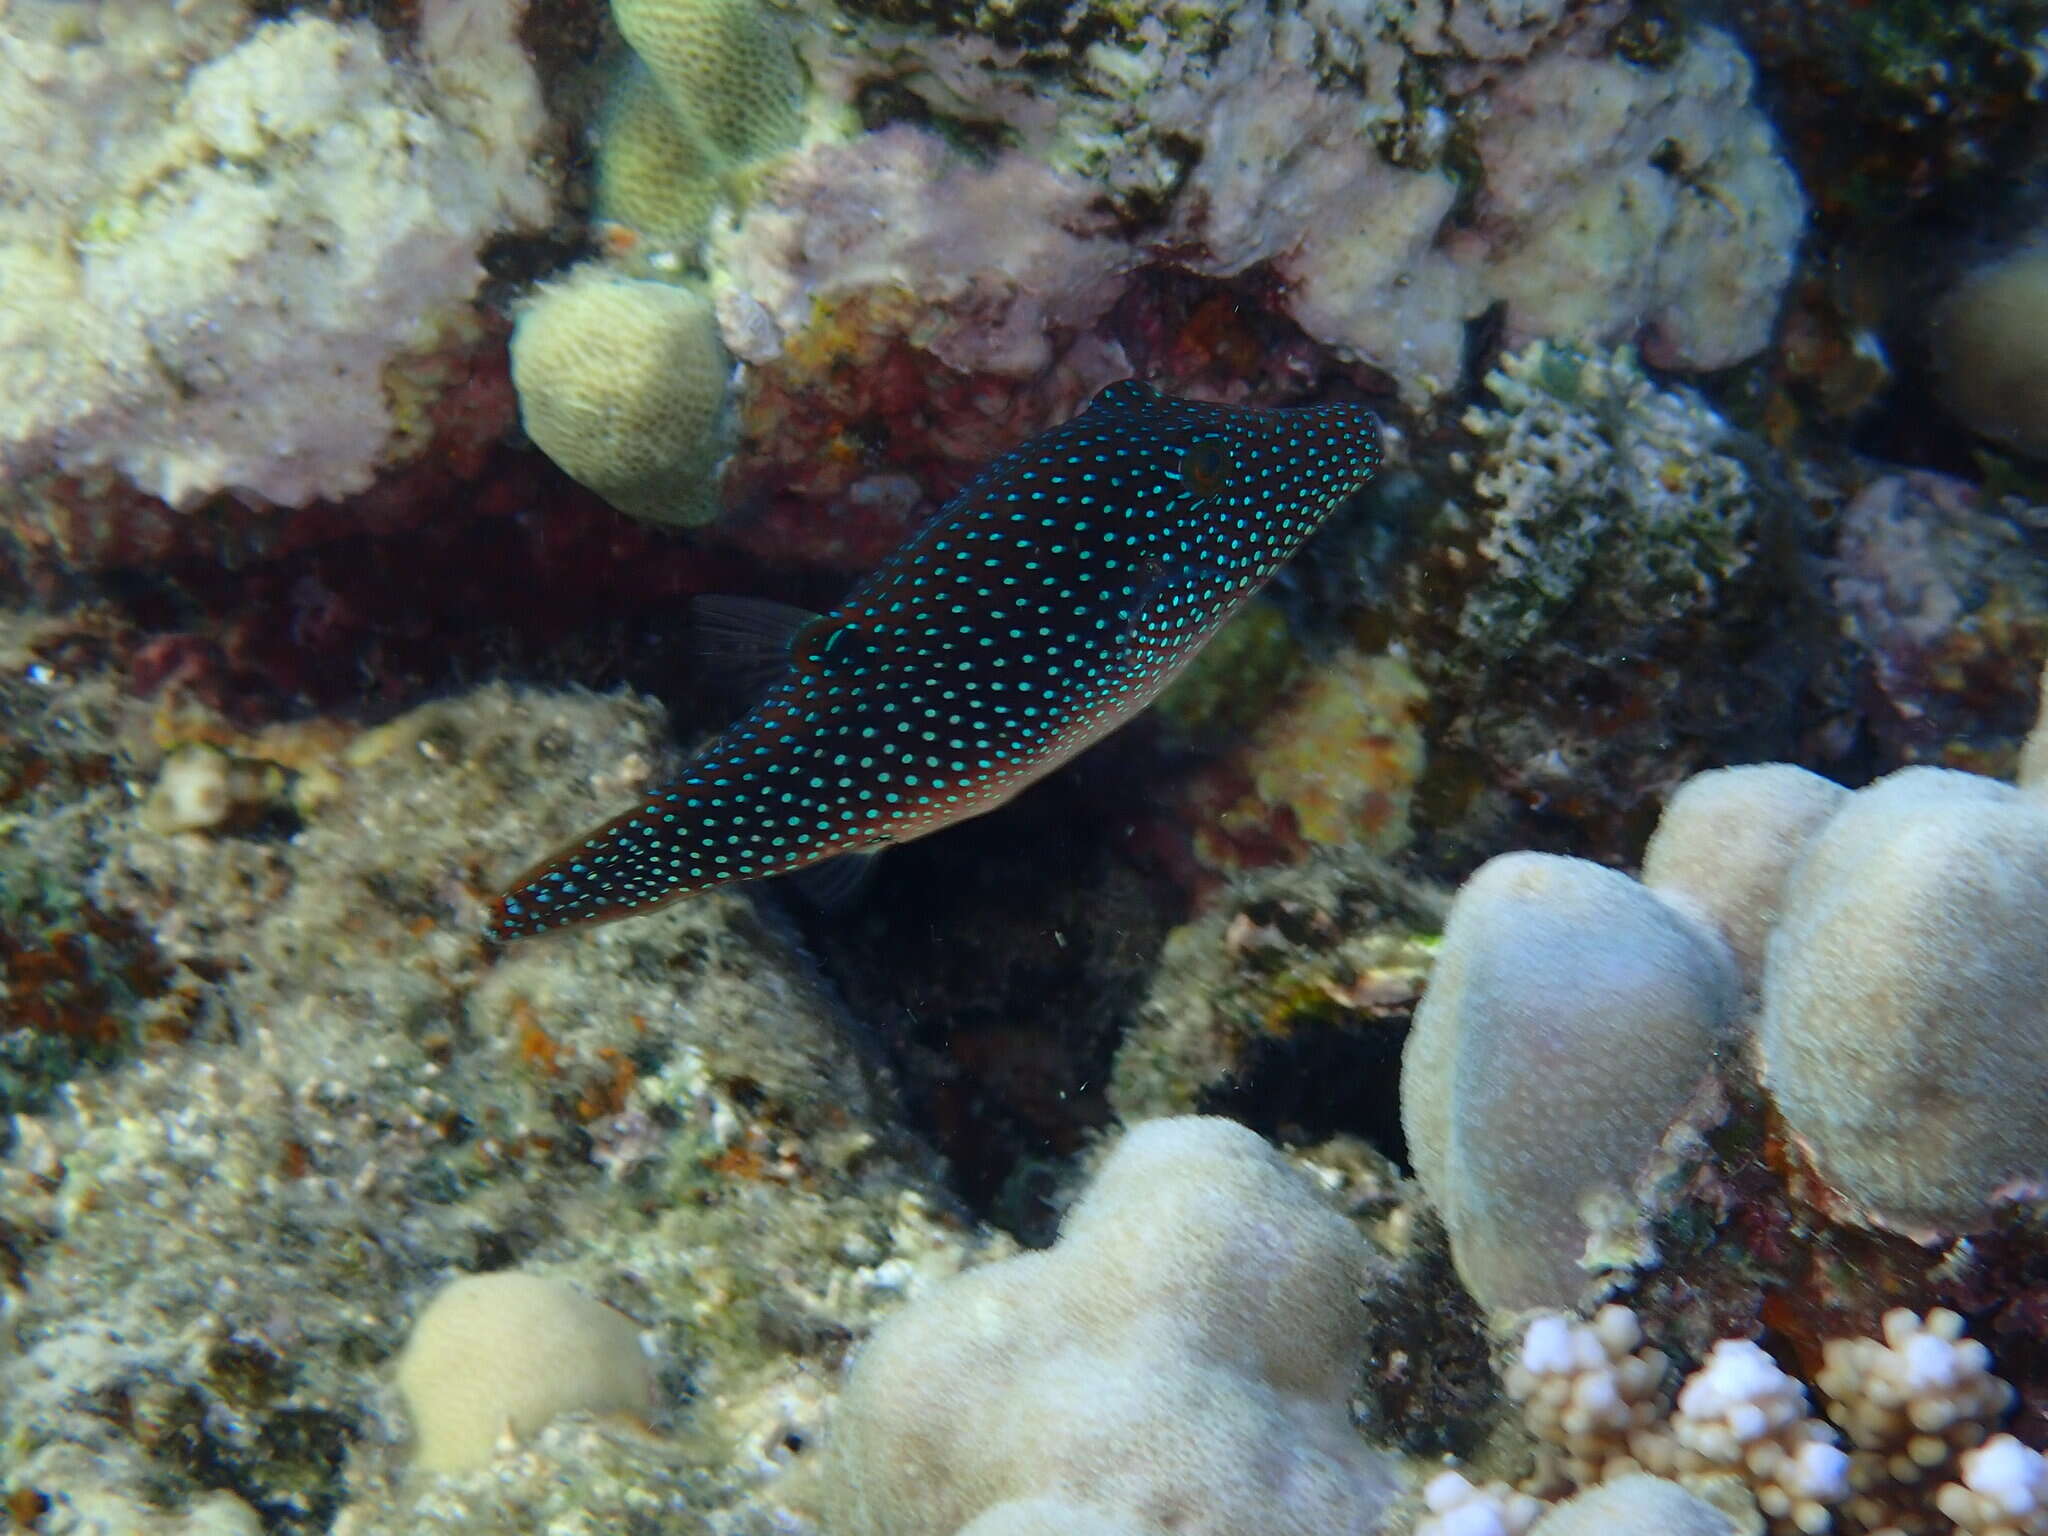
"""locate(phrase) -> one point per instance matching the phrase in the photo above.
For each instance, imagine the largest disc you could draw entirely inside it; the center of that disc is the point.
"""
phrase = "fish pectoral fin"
(1171, 611)
(834, 882)
(744, 642)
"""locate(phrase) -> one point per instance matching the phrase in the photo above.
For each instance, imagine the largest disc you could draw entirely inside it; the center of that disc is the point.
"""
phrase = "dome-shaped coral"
(726, 68)
(1570, 1027)
(623, 384)
(502, 1354)
(653, 176)
(1904, 1034)
(1180, 1359)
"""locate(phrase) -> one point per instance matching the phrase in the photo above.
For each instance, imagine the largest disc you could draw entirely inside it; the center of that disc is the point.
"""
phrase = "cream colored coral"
(1740, 1413)
(726, 68)
(1908, 1405)
(1904, 1032)
(1591, 1393)
(1989, 340)
(1727, 842)
(1181, 1359)
(1563, 972)
(494, 1357)
(2003, 1492)
(622, 383)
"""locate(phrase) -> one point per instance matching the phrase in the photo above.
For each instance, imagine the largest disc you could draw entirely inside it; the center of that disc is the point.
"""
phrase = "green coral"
(622, 383)
(714, 87)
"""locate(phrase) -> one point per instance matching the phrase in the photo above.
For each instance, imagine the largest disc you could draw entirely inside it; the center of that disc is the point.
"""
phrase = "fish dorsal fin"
(745, 642)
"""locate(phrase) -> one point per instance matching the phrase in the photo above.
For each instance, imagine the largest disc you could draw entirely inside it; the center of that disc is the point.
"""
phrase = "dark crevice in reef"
(999, 962)
(1305, 1088)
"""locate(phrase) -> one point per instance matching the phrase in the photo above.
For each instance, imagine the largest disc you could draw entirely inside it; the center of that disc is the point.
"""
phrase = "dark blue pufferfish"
(1037, 611)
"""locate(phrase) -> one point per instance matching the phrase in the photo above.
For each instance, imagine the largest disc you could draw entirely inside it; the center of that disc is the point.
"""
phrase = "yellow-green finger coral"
(726, 68)
(623, 384)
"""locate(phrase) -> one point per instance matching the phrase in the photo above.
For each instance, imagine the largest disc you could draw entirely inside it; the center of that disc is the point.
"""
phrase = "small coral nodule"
(623, 383)
(495, 1357)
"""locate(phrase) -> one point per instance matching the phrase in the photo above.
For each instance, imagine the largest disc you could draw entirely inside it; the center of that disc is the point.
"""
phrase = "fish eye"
(1207, 466)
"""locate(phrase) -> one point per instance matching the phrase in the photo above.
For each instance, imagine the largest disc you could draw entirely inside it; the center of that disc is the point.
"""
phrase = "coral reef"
(1601, 535)
(1893, 937)
(1179, 1360)
(1285, 1001)
(1594, 485)
(1334, 763)
(229, 244)
(1914, 1407)
(1234, 134)
(359, 1109)
(1941, 585)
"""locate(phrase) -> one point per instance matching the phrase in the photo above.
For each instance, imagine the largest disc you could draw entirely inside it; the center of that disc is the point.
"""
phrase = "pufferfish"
(1038, 610)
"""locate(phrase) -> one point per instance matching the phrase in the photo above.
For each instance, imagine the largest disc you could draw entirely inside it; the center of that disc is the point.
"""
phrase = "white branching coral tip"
(2004, 1491)
(1740, 1413)
(1587, 1391)
(1457, 1507)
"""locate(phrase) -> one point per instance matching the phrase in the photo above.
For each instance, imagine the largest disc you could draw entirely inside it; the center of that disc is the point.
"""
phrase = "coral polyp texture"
(1904, 1030)
(1558, 968)
(726, 69)
(653, 177)
(622, 382)
(1179, 1360)
(206, 289)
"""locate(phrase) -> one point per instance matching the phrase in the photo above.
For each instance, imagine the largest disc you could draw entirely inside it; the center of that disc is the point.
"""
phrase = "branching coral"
(1597, 485)
(1915, 1408)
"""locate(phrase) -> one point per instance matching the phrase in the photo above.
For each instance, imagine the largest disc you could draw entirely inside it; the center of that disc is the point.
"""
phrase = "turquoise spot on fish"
(1036, 612)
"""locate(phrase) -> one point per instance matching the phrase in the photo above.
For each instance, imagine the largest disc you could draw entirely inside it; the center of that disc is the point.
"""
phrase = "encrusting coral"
(220, 235)
(1180, 1360)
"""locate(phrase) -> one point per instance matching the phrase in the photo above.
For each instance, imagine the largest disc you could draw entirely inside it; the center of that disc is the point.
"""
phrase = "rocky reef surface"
(1538, 1031)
